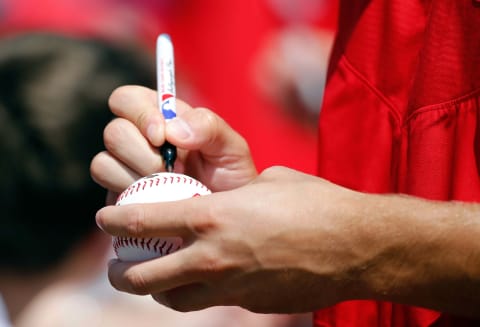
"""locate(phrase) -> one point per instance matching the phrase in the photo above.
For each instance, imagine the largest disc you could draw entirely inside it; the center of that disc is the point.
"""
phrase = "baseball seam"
(160, 246)
(156, 181)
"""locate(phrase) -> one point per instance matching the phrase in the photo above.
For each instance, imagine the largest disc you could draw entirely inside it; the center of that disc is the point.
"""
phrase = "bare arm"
(289, 242)
(427, 253)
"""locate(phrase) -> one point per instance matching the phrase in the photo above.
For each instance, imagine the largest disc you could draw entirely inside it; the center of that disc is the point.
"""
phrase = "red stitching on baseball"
(156, 244)
(169, 248)
(155, 181)
(161, 246)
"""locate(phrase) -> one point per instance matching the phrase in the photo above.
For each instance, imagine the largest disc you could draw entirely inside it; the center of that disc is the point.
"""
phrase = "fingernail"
(153, 134)
(179, 129)
(97, 219)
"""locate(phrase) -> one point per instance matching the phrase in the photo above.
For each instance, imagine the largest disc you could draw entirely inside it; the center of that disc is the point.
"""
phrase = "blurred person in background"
(53, 92)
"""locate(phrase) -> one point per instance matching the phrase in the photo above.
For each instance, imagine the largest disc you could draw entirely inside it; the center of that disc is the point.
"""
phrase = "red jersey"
(401, 114)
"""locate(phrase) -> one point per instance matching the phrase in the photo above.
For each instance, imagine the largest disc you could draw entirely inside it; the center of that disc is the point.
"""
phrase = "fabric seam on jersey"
(450, 104)
(362, 78)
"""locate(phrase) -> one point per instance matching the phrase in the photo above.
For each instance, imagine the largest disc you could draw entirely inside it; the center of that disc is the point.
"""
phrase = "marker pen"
(166, 92)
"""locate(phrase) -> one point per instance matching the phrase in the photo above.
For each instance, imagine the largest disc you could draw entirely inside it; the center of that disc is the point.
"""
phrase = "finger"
(201, 129)
(186, 298)
(125, 142)
(193, 297)
(174, 218)
(110, 173)
(153, 276)
(139, 105)
(218, 144)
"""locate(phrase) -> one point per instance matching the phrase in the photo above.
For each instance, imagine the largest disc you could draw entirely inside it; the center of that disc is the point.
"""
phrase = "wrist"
(393, 244)
(420, 252)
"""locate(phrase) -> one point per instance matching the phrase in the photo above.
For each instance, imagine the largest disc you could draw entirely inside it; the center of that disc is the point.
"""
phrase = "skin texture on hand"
(280, 241)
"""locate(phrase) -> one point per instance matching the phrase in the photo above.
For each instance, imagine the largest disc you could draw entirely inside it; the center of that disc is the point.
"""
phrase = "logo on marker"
(168, 106)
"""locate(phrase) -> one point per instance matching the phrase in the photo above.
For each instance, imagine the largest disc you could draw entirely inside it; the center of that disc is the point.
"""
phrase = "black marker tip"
(169, 154)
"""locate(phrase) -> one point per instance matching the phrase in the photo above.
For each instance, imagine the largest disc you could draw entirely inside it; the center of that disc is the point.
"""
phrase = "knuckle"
(141, 120)
(135, 221)
(213, 122)
(270, 171)
(112, 134)
(212, 264)
(203, 225)
(113, 96)
(124, 98)
(117, 97)
(97, 167)
(136, 282)
(273, 172)
(209, 119)
(209, 116)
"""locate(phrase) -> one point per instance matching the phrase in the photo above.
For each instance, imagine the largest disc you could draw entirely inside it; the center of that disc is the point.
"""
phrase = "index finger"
(139, 105)
(174, 218)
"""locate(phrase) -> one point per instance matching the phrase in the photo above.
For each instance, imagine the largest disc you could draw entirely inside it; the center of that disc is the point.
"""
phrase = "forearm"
(428, 253)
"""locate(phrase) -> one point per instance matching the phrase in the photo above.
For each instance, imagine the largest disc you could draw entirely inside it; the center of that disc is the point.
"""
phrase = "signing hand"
(209, 149)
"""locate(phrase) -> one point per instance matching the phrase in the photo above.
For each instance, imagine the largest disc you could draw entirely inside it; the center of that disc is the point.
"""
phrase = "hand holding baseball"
(241, 247)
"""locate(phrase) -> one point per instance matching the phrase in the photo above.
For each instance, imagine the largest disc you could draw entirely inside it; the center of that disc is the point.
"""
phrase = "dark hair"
(53, 107)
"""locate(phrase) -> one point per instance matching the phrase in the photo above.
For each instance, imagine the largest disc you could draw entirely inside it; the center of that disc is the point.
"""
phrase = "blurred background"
(260, 64)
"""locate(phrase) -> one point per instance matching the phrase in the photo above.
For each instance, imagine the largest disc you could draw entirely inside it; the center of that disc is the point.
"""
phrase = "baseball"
(160, 187)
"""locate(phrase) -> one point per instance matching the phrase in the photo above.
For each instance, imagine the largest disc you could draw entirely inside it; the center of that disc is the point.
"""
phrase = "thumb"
(202, 130)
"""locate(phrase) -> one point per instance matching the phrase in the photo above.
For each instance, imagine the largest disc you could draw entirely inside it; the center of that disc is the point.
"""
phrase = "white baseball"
(160, 187)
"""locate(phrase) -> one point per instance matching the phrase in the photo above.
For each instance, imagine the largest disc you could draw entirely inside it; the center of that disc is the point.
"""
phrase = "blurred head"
(53, 107)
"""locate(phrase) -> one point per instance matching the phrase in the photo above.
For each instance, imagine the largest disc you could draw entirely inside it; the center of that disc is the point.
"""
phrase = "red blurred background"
(260, 64)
